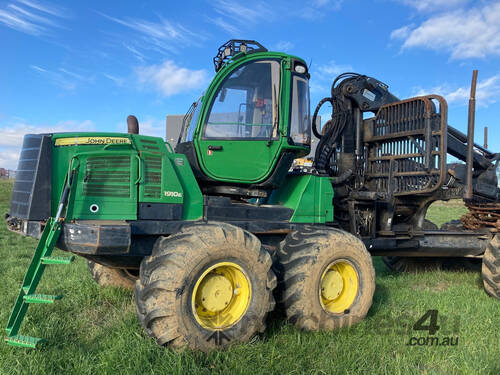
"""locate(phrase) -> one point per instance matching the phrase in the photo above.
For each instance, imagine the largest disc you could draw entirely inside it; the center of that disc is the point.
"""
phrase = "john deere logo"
(75, 141)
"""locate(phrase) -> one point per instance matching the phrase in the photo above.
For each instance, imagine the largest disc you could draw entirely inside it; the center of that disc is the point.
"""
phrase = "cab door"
(239, 139)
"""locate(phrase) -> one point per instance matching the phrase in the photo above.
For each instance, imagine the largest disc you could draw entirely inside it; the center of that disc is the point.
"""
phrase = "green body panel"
(311, 198)
(239, 161)
(106, 181)
(112, 177)
(157, 183)
(116, 177)
(193, 198)
(246, 161)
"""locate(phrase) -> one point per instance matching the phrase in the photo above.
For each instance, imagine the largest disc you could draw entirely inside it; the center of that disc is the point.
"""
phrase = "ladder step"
(24, 341)
(40, 298)
(58, 260)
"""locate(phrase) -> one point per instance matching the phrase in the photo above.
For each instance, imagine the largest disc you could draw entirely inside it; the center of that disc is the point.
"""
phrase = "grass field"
(95, 330)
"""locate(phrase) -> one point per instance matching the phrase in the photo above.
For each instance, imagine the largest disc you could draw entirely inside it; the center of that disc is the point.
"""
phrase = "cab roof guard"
(233, 47)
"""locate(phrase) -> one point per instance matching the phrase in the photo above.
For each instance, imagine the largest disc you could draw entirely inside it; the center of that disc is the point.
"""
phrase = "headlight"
(301, 69)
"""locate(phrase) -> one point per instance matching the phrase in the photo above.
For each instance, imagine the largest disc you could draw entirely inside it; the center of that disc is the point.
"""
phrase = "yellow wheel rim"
(221, 296)
(339, 287)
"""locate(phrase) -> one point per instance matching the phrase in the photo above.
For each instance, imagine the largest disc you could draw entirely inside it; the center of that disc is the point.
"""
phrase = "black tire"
(106, 276)
(413, 264)
(304, 256)
(491, 268)
(167, 280)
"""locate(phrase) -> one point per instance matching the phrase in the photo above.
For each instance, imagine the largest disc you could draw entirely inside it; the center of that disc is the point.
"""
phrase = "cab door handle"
(215, 148)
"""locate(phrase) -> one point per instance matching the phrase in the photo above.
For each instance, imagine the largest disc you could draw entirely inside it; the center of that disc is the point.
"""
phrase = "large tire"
(106, 276)
(172, 278)
(413, 264)
(306, 257)
(491, 268)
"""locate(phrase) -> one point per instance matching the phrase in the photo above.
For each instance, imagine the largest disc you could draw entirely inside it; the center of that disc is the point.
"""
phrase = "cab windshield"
(246, 104)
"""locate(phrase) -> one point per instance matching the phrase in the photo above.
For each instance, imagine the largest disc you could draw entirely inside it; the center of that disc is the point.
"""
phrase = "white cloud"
(401, 33)
(162, 36)
(62, 77)
(229, 27)
(117, 80)
(331, 69)
(434, 5)
(322, 76)
(463, 33)
(316, 9)
(31, 17)
(9, 158)
(233, 15)
(487, 92)
(171, 79)
(13, 133)
(139, 56)
(284, 46)
(44, 7)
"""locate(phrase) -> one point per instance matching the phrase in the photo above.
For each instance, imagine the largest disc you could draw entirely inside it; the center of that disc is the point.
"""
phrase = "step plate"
(58, 260)
(40, 298)
(24, 341)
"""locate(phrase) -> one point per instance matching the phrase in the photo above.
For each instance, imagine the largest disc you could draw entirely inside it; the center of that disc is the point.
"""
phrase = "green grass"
(95, 331)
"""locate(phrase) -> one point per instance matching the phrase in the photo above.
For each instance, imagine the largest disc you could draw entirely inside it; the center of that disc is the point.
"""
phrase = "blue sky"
(86, 66)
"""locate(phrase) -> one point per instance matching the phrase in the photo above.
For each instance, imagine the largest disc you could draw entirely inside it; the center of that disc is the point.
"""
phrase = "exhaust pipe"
(132, 125)
(470, 136)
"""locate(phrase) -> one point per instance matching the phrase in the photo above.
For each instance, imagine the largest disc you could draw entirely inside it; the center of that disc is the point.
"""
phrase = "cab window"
(300, 124)
(246, 104)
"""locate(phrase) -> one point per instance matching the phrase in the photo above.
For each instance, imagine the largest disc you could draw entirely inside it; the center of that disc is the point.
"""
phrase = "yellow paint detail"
(331, 285)
(76, 141)
(221, 296)
(216, 292)
(339, 286)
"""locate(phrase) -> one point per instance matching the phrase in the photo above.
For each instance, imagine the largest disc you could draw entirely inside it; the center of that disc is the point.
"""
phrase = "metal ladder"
(41, 258)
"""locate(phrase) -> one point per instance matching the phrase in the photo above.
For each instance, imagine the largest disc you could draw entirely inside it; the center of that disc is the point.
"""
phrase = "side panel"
(192, 196)
(67, 145)
(311, 198)
(106, 186)
(167, 182)
(121, 180)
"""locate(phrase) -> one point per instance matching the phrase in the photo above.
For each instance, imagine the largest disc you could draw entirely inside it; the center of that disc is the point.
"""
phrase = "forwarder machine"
(213, 232)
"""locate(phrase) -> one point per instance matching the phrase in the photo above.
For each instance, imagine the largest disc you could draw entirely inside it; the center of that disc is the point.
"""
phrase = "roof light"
(301, 69)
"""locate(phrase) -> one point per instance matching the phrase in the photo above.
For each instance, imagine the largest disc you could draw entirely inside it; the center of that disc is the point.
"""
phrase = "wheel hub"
(216, 292)
(332, 285)
(339, 287)
(221, 296)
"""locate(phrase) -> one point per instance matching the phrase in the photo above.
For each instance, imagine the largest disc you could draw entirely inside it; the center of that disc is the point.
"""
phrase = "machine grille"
(107, 176)
(152, 182)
